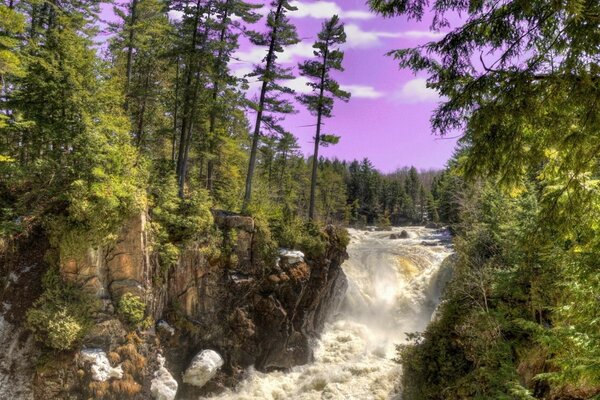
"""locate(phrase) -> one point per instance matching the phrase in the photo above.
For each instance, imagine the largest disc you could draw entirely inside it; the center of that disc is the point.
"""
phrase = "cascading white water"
(394, 286)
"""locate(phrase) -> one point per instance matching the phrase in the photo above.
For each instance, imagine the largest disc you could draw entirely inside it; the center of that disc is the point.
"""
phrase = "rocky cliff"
(251, 309)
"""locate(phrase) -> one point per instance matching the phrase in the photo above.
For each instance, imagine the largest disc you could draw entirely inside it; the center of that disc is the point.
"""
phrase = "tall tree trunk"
(188, 93)
(213, 112)
(313, 180)
(259, 112)
(142, 112)
(176, 107)
(132, 21)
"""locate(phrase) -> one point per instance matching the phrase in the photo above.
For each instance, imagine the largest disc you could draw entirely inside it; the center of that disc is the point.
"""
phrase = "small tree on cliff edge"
(324, 89)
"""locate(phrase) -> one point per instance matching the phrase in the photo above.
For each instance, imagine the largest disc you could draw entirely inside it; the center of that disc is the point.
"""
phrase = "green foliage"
(132, 308)
(62, 315)
(527, 209)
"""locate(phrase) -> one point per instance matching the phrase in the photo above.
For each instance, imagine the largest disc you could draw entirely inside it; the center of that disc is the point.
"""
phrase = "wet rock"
(163, 385)
(203, 368)
(402, 235)
(99, 365)
(433, 225)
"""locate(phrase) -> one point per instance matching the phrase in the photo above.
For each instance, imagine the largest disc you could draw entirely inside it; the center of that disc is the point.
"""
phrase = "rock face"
(163, 385)
(203, 368)
(247, 307)
(111, 271)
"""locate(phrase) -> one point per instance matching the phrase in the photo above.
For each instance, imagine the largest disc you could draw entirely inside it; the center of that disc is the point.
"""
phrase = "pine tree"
(231, 17)
(71, 136)
(144, 40)
(194, 28)
(281, 33)
(325, 89)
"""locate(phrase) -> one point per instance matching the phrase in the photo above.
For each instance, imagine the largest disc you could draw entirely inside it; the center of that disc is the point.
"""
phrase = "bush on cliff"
(62, 315)
(132, 308)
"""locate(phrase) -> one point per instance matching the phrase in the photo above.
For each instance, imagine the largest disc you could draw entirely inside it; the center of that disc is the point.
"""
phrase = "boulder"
(163, 385)
(99, 365)
(290, 257)
(204, 367)
(401, 235)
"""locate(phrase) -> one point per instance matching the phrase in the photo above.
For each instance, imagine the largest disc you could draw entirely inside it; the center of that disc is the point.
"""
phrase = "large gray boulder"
(204, 367)
(163, 385)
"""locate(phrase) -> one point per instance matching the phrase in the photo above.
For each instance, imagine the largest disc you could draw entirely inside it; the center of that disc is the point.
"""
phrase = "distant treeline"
(402, 197)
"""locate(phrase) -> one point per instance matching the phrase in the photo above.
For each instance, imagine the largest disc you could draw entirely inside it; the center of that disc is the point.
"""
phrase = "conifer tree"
(270, 103)
(231, 17)
(325, 89)
(144, 40)
(194, 28)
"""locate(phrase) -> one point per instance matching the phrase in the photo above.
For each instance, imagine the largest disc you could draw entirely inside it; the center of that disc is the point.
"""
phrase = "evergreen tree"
(325, 89)
(521, 82)
(231, 17)
(144, 40)
(280, 33)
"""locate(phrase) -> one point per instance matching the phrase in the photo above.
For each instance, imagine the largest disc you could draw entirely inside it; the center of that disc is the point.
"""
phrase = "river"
(394, 287)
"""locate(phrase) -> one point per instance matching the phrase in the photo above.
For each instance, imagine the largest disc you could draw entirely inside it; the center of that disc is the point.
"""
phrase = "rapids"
(394, 287)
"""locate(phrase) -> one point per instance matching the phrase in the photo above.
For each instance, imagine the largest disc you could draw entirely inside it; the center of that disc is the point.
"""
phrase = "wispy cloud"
(290, 54)
(362, 91)
(326, 9)
(299, 84)
(359, 38)
(416, 91)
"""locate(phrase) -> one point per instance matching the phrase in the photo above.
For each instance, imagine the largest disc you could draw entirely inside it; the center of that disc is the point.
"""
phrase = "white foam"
(389, 294)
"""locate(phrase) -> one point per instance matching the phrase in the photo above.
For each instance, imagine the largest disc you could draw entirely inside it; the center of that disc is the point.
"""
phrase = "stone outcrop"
(252, 307)
(112, 271)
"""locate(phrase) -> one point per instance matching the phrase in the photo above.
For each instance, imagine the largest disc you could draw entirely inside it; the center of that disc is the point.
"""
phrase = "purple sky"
(387, 118)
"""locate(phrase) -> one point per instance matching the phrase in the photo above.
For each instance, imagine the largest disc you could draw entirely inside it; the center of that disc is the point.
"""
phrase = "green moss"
(132, 308)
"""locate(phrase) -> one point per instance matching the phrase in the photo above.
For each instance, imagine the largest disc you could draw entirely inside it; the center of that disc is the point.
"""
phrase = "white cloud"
(290, 54)
(299, 84)
(362, 91)
(421, 35)
(358, 38)
(241, 72)
(416, 91)
(326, 9)
(175, 15)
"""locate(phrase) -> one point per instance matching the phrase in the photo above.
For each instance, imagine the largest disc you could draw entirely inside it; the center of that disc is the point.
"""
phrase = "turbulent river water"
(394, 286)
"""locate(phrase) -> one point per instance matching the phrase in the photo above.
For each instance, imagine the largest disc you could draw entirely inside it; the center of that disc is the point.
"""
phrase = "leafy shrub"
(62, 314)
(132, 308)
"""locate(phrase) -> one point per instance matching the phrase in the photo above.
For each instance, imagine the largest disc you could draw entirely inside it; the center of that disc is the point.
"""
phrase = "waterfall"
(394, 287)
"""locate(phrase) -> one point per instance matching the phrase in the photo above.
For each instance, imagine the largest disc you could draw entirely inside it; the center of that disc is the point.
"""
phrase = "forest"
(94, 132)
(154, 119)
